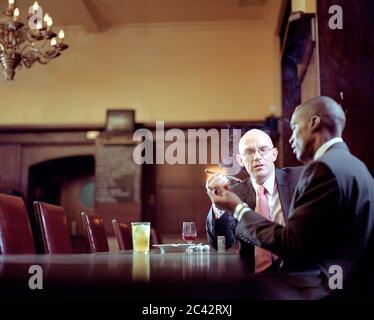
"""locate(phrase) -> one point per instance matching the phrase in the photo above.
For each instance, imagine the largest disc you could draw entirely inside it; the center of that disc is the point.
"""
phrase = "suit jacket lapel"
(250, 191)
(284, 191)
(246, 192)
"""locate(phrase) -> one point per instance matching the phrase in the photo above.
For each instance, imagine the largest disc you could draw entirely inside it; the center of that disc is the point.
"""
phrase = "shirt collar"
(323, 148)
(268, 184)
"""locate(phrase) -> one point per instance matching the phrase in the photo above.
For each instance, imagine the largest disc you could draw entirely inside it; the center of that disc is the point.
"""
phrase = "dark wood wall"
(55, 164)
(47, 164)
(347, 65)
(179, 189)
(296, 40)
(344, 60)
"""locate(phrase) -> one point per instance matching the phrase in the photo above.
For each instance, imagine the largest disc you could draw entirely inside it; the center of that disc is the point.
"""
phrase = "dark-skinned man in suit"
(331, 218)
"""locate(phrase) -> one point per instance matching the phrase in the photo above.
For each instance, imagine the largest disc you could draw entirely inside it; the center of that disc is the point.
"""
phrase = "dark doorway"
(68, 182)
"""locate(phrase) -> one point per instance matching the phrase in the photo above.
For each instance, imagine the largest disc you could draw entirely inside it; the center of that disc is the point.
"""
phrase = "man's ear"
(314, 123)
(239, 159)
(274, 154)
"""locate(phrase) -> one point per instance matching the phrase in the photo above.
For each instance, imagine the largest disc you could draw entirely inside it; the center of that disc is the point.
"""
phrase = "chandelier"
(23, 46)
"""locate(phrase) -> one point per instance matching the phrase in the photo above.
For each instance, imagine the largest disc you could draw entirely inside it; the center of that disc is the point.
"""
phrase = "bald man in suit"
(257, 155)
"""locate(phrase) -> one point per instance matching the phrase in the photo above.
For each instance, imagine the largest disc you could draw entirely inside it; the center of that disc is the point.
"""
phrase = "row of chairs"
(16, 235)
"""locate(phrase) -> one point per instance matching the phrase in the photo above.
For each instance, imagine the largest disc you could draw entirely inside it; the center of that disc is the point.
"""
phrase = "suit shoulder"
(336, 161)
(318, 173)
(318, 166)
(292, 171)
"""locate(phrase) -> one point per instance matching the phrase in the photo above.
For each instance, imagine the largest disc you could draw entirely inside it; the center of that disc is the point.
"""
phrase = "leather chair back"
(15, 231)
(123, 234)
(95, 232)
(53, 228)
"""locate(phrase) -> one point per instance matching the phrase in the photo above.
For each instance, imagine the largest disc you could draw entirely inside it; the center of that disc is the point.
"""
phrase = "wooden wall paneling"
(347, 65)
(174, 205)
(344, 63)
(297, 47)
(10, 169)
(45, 138)
(346, 56)
(148, 194)
(291, 97)
(310, 85)
(175, 201)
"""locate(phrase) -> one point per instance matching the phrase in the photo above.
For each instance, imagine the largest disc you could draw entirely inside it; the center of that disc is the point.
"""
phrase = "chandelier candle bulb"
(10, 4)
(53, 42)
(61, 36)
(15, 14)
(46, 19)
(35, 6)
(49, 24)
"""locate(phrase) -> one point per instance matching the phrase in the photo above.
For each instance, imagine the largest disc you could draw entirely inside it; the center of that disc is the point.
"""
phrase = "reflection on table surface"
(128, 273)
(128, 265)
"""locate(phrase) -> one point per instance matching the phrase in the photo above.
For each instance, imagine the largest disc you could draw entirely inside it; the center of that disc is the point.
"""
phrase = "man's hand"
(216, 181)
(224, 198)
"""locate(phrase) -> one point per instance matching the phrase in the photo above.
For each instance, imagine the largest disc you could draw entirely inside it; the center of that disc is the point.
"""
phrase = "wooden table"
(127, 275)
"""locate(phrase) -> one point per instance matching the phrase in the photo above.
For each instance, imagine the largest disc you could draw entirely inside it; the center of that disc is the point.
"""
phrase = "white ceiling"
(99, 15)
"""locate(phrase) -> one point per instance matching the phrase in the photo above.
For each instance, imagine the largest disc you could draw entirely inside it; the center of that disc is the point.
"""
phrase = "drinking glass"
(140, 236)
(189, 232)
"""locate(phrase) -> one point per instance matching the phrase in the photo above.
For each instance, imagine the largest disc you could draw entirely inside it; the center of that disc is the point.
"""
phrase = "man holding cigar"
(271, 187)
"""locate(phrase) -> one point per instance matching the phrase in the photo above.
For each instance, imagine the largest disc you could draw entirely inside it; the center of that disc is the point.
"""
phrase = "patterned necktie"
(263, 257)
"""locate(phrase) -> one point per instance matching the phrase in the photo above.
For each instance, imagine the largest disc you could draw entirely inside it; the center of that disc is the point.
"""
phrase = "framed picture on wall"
(122, 120)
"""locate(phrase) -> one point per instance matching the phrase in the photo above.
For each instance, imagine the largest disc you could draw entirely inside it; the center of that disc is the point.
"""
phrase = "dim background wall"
(172, 72)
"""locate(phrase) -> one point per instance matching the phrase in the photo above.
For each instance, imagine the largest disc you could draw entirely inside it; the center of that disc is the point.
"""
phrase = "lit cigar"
(227, 176)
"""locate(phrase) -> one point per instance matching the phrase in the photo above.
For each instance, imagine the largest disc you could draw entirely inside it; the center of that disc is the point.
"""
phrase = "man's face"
(257, 155)
(301, 138)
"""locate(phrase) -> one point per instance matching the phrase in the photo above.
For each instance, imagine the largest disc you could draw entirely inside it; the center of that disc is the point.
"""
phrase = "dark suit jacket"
(286, 180)
(331, 219)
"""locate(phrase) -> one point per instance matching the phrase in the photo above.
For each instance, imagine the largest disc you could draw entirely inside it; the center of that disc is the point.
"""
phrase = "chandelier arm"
(45, 41)
(49, 55)
(35, 41)
(28, 37)
(26, 46)
(42, 61)
(1, 34)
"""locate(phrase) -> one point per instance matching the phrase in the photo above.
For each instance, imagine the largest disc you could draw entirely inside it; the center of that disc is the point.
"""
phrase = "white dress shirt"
(323, 148)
